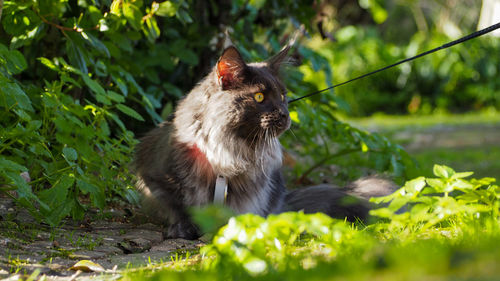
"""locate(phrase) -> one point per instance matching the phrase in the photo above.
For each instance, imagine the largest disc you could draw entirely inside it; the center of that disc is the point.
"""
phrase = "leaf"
(97, 195)
(70, 154)
(22, 114)
(184, 16)
(93, 85)
(438, 184)
(132, 14)
(76, 56)
(15, 95)
(115, 7)
(9, 165)
(443, 171)
(96, 43)
(87, 266)
(462, 175)
(187, 56)
(151, 29)
(462, 184)
(382, 212)
(48, 63)
(129, 111)
(167, 9)
(15, 62)
(103, 99)
(114, 96)
(58, 193)
(415, 185)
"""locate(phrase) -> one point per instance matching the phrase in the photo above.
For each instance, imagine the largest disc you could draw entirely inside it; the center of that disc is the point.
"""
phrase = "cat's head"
(255, 95)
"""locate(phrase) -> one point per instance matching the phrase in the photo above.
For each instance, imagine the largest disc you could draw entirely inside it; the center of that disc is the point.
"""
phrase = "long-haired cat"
(228, 127)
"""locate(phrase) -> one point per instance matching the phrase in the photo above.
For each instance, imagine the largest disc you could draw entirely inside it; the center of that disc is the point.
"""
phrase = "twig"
(63, 28)
(323, 161)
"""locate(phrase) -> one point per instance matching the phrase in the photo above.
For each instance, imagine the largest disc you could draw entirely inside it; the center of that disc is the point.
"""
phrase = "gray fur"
(220, 129)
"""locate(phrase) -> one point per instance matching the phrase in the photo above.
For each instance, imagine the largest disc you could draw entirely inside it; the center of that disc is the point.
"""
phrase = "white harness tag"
(220, 192)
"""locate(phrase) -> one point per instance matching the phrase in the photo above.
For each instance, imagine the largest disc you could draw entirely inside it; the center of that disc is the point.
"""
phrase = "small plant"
(441, 226)
(447, 199)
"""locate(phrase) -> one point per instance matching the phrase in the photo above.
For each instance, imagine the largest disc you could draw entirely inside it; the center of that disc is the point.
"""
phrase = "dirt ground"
(118, 242)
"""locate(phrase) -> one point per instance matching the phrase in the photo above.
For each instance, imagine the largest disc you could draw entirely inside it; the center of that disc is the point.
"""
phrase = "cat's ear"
(275, 62)
(230, 68)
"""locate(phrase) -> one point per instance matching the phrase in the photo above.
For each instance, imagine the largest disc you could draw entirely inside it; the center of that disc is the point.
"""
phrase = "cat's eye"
(259, 97)
(282, 97)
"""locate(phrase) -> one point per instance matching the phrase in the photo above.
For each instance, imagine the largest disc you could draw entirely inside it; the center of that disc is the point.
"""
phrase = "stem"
(323, 161)
(63, 28)
(5, 146)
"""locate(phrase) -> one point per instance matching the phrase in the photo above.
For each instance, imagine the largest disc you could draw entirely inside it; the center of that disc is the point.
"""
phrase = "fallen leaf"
(87, 266)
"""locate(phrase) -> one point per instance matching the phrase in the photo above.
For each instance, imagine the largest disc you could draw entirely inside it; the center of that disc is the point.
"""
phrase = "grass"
(387, 122)
(484, 161)
(467, 142)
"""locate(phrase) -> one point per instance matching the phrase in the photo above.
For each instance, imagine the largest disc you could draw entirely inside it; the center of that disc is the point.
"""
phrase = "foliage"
(77, 77)
(458, 79)
(450, 226)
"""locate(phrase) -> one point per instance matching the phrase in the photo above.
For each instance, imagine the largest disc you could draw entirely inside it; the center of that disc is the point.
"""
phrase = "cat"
(228, 127)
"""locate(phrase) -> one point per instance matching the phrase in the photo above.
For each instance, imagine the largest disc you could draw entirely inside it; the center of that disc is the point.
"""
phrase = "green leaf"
(129, 111)
(96, 43)
(115, 7)
(151, 29)
(14, 61)
(96, 194)
(382, 213)
(70, 154)
(93, 85)
(76, 56)
(415, 185)
(103, 99)
(132, 14)
(167, 9)
(462, 175)
(184, 16)
(9, 165)
(22, 114)
(14, 96)
(443, 171)
(48, 63)
(58, 193)
(462, 184)
(114, 96)
(438, 184)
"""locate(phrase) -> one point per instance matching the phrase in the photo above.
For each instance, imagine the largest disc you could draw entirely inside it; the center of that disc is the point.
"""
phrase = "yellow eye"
(282, 97)
(259, 97)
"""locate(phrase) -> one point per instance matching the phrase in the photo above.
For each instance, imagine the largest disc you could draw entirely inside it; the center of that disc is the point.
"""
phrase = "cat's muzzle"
(277, 121)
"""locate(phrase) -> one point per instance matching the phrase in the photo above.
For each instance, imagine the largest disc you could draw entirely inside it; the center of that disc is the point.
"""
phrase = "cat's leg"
(164, 199)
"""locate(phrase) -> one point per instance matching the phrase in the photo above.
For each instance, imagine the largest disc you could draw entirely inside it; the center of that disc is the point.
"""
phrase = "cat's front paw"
(183, 229)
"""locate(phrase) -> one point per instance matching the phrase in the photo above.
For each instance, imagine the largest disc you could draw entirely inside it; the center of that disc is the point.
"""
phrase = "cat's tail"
(349, 202)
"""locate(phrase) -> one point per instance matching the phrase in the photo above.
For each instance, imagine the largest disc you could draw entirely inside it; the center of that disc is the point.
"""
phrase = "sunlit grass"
(384, 123)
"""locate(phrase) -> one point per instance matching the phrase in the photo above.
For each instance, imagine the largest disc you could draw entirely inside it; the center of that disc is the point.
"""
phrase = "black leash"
(447, 45)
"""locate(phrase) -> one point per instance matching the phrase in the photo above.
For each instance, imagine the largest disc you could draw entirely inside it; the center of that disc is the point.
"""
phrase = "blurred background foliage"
(81, 80)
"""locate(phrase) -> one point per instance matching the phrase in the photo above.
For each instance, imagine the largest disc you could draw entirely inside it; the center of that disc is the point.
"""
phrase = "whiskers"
(266, 148)
(291, 131)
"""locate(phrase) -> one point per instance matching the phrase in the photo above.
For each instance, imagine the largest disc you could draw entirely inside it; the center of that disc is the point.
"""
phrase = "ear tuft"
(281, 58)
(277, 60)
(230, 68)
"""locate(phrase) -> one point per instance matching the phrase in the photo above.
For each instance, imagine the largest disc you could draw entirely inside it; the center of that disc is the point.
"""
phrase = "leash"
(445, 46)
